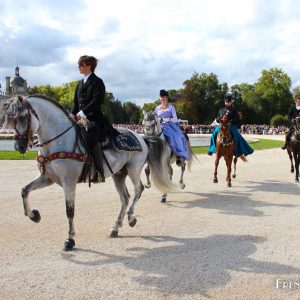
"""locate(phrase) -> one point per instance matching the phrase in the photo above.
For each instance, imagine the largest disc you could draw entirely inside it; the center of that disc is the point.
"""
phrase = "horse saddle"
(126, 141)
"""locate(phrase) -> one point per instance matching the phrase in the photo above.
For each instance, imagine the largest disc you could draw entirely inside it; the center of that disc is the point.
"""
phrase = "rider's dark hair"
(89, 61)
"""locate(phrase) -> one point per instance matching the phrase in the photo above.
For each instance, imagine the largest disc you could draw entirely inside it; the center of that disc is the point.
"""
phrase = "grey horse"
(61, 157)
(151, 126)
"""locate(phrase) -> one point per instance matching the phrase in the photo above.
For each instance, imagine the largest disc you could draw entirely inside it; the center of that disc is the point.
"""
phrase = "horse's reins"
(27, 136)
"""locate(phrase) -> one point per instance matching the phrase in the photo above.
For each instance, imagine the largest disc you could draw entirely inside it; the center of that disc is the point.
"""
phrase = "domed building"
(16, 85)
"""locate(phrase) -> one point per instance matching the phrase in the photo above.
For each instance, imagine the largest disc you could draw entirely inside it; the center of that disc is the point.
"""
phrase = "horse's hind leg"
(183, 164)
(147, 172)
(135, 177)
(234, 166)
(39, 182)
(119, 180)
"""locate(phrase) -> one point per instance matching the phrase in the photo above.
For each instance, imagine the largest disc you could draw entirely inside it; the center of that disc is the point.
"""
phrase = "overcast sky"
(144, 46)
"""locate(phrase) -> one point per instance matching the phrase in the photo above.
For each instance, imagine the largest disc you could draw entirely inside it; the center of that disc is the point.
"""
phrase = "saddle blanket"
(124, 142)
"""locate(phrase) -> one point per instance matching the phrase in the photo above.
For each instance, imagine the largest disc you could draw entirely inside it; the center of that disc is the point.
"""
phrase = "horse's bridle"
(153, 132)
(29, 135)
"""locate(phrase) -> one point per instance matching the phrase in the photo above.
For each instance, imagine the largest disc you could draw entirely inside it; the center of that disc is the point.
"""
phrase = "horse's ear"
(20, 98)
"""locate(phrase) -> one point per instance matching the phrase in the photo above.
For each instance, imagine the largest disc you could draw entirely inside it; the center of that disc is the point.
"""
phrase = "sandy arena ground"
(206, 242)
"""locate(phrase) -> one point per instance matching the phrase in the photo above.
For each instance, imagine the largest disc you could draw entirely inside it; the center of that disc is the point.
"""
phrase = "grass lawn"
(257, 145)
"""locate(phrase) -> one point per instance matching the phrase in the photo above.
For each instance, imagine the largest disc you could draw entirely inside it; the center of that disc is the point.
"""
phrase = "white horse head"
(17, 114)
(151, 124)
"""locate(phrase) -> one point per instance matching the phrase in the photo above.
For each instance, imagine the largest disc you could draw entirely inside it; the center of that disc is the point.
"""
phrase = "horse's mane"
(53, 101)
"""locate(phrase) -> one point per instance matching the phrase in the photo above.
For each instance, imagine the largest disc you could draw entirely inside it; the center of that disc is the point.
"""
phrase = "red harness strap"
(58, 155)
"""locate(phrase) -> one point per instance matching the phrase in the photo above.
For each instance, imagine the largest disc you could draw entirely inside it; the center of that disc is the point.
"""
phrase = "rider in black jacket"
(293, 114)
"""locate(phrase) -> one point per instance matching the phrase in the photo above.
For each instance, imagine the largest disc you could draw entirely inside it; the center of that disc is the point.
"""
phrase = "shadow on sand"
(180, 266)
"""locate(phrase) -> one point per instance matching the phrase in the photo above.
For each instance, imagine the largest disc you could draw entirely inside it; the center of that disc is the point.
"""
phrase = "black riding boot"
(97, 154)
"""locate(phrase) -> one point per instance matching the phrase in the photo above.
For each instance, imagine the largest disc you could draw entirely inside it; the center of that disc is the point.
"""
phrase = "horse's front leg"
(39, 182)
(234, 166)
(291, 159)
(297, 161)
(228, 163)
(216, 168)
(147, 172)
(163, 198)
(69, 191)
(183, 164)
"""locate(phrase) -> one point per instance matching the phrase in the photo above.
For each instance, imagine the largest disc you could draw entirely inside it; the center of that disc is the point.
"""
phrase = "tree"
(132, 112)
(273, 88)
(296, 92)
(206, 95)
(279, 120)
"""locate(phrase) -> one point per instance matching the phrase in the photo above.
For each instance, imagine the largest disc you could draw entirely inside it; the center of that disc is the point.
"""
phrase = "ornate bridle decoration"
(29, 135)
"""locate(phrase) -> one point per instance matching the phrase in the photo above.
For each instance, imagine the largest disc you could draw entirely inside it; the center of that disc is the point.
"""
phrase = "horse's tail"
(192, 155)
(159, 163)
(243, 158)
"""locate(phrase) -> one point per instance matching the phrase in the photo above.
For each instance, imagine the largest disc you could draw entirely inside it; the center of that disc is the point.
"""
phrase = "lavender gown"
(171, 130)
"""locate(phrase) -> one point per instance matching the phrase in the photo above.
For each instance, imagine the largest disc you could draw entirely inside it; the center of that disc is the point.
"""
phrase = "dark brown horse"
(225, 147)
(293, 148)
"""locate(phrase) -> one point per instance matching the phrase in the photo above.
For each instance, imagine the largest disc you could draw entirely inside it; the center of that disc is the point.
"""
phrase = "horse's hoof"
(147, 186)
(69, 244)
(233, 176)
(229, 184)
(297, 179)
(215, 180)
(36, 216)
(182, 186)
(132, 222)
(114, 233)
(163, 200)
(292, 170)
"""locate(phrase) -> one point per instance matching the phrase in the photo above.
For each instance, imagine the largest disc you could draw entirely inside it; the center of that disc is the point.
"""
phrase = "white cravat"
(85, 78)
(298, 107)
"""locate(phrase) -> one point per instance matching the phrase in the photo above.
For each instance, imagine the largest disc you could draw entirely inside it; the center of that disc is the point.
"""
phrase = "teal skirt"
(241, 145)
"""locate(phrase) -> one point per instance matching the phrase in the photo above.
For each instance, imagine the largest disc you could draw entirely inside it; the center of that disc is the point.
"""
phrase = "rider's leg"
(94, 144)
(212, 146)
(288, 137)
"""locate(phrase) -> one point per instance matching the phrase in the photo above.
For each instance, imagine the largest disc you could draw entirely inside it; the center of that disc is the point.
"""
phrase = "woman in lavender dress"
(170, 126)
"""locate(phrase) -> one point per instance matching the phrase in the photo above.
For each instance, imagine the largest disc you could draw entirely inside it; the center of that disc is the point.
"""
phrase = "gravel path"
(206, 242)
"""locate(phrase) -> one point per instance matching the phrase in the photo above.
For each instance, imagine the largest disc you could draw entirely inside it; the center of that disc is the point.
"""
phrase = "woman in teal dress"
(241, 145)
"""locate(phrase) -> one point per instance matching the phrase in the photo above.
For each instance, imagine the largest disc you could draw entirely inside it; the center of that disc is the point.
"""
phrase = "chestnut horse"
(225, 147)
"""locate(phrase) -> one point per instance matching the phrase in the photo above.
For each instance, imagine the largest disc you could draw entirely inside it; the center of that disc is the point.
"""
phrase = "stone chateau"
(15, 85)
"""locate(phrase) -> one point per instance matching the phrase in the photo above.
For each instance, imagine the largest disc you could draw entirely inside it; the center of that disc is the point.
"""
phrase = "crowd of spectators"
(208, 129)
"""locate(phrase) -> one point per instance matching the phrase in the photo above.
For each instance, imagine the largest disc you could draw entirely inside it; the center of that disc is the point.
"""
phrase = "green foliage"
(273, 88)
(279, 120)
(296, 92)
(200, 99)
(206, 95)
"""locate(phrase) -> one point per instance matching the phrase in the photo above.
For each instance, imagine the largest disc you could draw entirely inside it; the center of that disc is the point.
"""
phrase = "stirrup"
(98, 178)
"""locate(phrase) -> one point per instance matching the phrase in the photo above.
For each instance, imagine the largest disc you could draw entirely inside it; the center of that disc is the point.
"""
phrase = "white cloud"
(146, 45)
